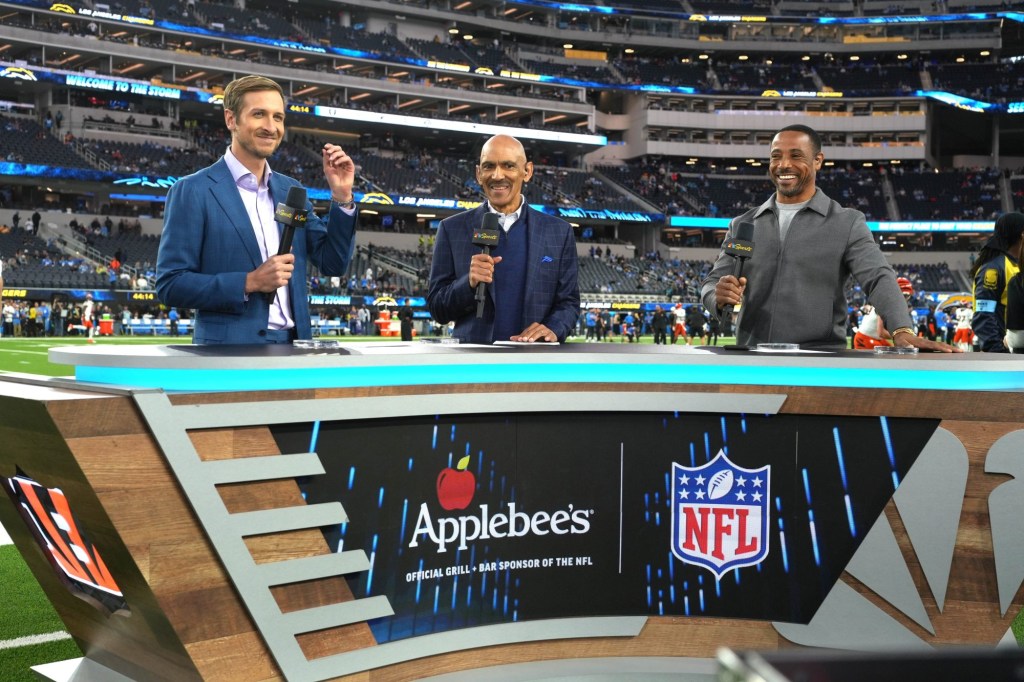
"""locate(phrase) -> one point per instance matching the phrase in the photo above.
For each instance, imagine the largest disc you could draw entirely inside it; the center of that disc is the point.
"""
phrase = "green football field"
(30, 631)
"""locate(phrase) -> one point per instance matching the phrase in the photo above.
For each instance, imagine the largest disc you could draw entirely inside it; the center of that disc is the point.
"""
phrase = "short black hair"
(809, 132)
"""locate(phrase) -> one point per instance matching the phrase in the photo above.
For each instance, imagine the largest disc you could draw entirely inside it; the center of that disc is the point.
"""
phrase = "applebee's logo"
(455, 487)
(720, 514)
(455, 490)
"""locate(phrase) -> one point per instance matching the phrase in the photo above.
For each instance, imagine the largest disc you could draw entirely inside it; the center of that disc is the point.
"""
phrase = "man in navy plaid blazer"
(532, 288)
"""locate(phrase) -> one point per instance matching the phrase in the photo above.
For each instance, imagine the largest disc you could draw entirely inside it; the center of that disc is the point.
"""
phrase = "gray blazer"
(796, 290)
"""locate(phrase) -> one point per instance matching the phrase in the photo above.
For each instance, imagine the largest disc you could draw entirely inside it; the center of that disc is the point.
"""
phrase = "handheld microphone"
(487, 236)
(741, 247)
(292, 214)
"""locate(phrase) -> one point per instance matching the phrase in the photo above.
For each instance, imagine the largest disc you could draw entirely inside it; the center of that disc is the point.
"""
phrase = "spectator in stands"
(218, 250)
(534, 294)
(803, 301)
(996, 265)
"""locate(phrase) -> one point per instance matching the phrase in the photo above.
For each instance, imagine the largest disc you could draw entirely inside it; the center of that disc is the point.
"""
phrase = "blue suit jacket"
(208, 246)
(552, 295)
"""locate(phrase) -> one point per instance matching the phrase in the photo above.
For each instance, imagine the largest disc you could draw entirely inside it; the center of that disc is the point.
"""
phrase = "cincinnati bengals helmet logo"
(74, 558)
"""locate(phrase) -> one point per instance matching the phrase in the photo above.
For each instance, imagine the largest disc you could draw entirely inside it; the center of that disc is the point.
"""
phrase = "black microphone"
(741, 247)
(292, 214)
(486, 236)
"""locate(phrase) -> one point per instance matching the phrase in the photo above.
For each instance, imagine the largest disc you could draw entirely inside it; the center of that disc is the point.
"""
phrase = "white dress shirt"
(259, 206)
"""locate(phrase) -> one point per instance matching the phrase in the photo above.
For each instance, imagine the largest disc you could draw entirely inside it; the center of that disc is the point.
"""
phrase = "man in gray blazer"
(807, 245)
(531, 277)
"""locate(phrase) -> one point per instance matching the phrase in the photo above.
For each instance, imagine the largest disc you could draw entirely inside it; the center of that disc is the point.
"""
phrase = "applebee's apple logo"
(455, 487)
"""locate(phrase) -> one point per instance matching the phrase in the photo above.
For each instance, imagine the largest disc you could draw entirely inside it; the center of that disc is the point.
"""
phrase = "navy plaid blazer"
(552, 295)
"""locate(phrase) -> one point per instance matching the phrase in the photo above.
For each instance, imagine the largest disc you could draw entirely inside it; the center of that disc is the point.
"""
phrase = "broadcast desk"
(421, 511)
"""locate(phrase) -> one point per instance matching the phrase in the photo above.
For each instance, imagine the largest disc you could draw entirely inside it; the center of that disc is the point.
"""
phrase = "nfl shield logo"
(720, 514)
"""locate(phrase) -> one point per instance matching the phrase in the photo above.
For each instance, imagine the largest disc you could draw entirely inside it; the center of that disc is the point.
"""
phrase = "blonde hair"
(237, 89)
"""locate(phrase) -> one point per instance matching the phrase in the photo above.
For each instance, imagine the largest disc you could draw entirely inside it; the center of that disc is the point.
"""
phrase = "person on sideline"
(1014, 339)
(871, 331)
(218, 250)
(88, 315)
(807, 245)
(996, 265)
(405, 317)
(531, 277)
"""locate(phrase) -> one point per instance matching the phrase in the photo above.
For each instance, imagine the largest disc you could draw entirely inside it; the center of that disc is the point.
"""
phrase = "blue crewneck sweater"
(510, 280)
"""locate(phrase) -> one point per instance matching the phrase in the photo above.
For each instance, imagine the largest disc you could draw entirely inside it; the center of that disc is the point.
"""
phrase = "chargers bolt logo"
(455, 487)
(17, 72)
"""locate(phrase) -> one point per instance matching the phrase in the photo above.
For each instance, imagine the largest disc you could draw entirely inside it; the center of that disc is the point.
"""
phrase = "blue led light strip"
(426, 375)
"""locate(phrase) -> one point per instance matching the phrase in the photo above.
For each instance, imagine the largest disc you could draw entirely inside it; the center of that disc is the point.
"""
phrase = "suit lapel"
(535, 248)
(225, 193)
(473, 221)
(278, 189)
(476, 221)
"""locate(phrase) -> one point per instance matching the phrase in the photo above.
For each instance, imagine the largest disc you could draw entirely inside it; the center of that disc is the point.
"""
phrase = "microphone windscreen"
(742, 244)
(490, 231)
(296, 197)
(745, 231)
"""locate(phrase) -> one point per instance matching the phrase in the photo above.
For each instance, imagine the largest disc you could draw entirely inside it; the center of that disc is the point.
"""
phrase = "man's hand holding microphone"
(729, 289)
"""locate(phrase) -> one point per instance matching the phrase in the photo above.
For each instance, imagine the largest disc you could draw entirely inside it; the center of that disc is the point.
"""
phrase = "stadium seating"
(986, 81)
(25, 141)
(148, 157)
(925, 194)
(870, 77)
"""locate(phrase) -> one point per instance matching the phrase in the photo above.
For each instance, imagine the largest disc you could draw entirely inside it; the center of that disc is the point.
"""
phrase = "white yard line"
(33, 639)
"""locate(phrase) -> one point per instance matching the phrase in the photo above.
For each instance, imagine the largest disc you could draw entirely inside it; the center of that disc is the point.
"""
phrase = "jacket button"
(263, 332)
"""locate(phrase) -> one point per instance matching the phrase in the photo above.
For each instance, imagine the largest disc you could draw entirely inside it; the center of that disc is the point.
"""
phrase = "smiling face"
(502, 171)
(792, 167)
(257, 128)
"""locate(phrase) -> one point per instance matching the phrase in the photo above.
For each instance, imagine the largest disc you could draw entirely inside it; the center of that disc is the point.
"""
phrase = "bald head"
(505, 142)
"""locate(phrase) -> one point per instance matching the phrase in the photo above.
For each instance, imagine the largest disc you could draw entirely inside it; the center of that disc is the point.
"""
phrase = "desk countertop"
(269, 367)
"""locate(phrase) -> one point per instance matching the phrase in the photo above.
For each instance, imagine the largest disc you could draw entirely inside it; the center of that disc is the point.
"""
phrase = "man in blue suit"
(531, 277)
(218, 249)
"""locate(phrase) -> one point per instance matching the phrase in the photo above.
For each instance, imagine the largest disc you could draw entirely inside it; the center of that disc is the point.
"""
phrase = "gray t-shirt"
(786, 213)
